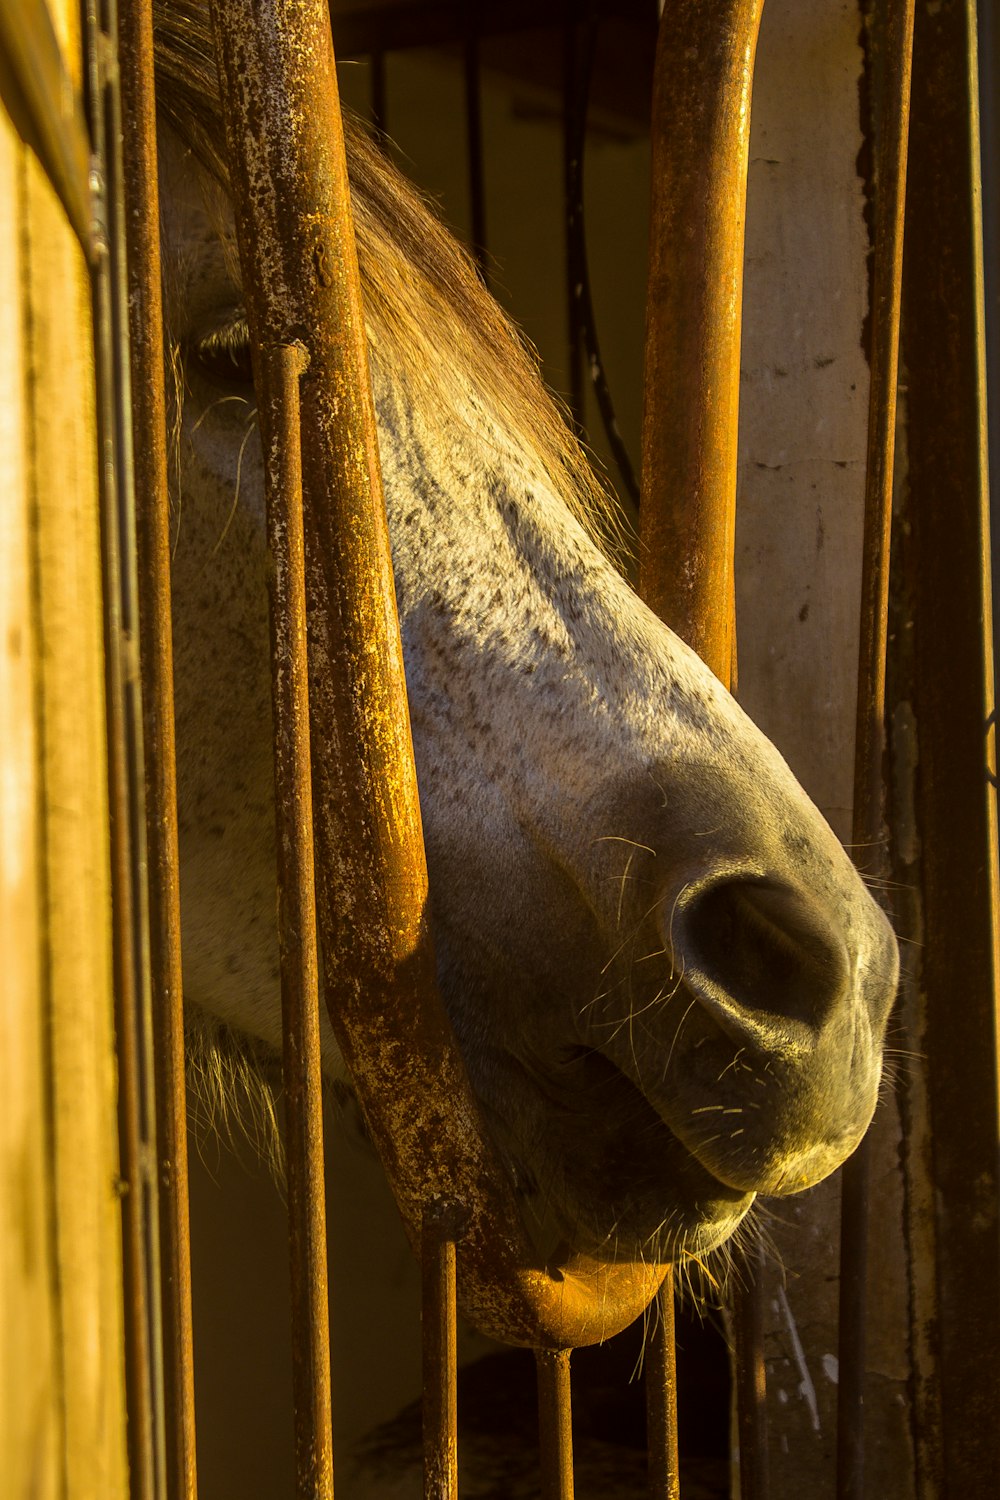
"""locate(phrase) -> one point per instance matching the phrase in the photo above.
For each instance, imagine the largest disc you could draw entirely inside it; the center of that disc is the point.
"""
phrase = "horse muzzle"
(762, 1052)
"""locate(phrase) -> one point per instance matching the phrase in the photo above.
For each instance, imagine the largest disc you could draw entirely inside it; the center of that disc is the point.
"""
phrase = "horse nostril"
(762, 958)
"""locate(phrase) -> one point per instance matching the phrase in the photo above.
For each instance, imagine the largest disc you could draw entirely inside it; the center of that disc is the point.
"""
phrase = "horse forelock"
(432, 325)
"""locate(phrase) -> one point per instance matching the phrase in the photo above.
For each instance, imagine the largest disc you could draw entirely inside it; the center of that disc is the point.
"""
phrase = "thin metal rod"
(300, 277)
(149, 428)
(281, 369)
(439, 1325)
(852, 1333)
(661, 1399)
(687, 516)
(952, 693)
(890, 198)
(868, 824)
(751, 1380)
(579, 47)
(555, 1423)
(988, 50)
(701, 130)
(126, 799)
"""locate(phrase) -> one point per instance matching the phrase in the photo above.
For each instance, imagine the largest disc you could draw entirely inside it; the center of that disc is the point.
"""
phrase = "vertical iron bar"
(133, 1000)
(687, 516)
(852, 1340)
(580, 46)
(282, 367)
(953, 700)
(661, 1399)
(149, 427)
(890, 191)
(701, 133)
(555, 1423)
(440, 1378)
(751, 1381)
(989, 135)
(868, 822)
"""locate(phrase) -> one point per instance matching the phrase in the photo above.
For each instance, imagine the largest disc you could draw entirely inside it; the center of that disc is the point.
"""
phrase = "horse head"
(668, 982)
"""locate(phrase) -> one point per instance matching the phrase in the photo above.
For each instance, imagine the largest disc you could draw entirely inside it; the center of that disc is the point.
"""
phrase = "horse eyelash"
(224, 352)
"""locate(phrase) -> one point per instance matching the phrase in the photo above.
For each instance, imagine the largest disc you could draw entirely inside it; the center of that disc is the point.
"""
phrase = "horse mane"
(431, 322)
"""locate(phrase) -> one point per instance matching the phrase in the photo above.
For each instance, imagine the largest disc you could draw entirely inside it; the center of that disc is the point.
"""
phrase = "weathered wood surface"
(62, 1428)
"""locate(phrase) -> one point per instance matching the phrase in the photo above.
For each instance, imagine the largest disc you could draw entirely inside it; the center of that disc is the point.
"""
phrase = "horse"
(668, 982)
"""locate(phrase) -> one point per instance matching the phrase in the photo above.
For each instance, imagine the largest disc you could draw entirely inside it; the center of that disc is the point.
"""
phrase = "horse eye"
(223, 354)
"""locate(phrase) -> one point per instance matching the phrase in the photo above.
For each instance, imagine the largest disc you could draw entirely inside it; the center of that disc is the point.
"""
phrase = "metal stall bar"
(868, 818)
(700, 140)
(301, 280)
(953, 702)
(282, 366)
(580, 38)
(751, 1377)
(687, 514)
(439, 1358)
(661, 1400)
(142, 224)
(126, 799)
(555, 1428)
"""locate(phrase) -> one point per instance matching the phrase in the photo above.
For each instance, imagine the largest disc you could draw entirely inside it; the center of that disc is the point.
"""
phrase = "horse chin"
(644, 1227)
(617, 1183)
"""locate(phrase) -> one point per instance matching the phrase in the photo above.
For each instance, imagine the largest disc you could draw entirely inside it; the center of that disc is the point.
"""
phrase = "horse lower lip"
(627, 1186)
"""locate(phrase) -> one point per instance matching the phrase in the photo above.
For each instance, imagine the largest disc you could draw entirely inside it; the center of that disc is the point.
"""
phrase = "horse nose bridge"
(770, 963)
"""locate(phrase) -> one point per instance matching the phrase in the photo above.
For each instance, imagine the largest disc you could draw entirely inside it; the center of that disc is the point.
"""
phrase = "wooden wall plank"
(29, 1393)
(62, 1411)
(76, 859)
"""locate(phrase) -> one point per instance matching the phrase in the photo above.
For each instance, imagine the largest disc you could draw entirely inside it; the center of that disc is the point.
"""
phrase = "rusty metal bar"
(280, 369)
(580, 41)
(439, 1325)
(953, 702)
(868, 818)
(687, 516)
(300, 274)
(890, 195)
(135, 48)
(751, 1381)
(701, 132)
(126, 799)
(555, 1423)
(988, 50)
(852, 1334)
(661, 1400)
